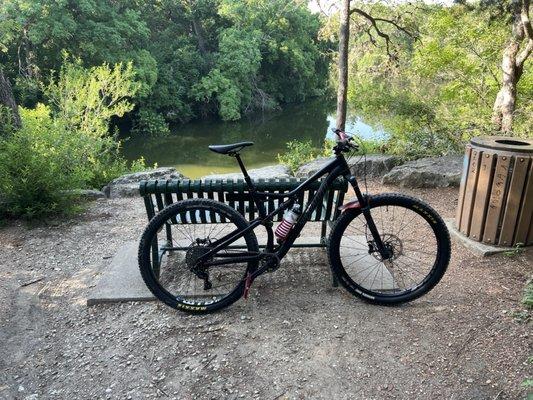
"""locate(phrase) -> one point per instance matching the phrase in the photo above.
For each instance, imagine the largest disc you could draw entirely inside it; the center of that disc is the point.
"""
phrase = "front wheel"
(414, 234)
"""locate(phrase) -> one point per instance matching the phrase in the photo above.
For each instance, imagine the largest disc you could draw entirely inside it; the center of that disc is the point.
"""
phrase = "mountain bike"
(386, 249)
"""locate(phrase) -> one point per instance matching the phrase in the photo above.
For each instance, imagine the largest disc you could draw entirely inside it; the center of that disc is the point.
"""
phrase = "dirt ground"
(295, 338)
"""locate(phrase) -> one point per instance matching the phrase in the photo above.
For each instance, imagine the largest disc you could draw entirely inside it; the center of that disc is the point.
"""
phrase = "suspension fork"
(365, 209)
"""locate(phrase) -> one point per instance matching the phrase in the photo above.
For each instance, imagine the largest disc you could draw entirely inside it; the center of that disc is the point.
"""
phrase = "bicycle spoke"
(411, 257)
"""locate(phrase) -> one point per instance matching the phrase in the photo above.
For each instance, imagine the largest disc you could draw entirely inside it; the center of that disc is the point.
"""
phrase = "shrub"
(68, 145)
(87, 99)
(6, 121)
(149, 122)
(37, 163)
(298, 153)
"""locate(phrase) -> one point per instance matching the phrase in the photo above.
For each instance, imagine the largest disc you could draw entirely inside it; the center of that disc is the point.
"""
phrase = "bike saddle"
(229, 149)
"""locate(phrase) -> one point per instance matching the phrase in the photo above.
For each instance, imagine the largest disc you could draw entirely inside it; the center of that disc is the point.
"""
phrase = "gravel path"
(295, 338)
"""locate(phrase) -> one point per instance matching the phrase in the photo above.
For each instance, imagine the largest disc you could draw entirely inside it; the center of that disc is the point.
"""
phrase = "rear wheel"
(174, 240)
(411, 230)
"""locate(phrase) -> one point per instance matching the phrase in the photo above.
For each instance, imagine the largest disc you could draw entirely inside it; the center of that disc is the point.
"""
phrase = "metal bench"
(159, 194)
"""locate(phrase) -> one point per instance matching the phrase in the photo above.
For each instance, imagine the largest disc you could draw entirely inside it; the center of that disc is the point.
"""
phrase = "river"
(186, 147)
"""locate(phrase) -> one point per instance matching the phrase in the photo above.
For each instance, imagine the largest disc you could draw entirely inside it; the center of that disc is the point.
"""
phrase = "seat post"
(247, 178)
(251, 187)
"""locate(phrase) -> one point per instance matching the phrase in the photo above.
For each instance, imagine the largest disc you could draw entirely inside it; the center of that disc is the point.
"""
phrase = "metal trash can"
(496, 195)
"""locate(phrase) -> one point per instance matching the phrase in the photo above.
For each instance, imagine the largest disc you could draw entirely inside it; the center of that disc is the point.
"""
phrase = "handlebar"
(345, 141)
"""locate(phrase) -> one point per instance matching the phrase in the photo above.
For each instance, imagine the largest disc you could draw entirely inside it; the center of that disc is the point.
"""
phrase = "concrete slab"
(481, 249)
(122, 280)
(364, 269)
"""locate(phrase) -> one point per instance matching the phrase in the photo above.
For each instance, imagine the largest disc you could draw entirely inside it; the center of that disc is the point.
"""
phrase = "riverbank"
(296, 337)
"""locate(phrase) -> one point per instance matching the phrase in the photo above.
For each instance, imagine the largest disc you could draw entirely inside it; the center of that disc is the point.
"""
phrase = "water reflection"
(186, 148)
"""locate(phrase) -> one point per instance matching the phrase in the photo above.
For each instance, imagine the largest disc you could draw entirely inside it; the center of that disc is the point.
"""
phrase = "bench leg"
(169, 233)
(323, 232)
(155, 257)
(324, 241)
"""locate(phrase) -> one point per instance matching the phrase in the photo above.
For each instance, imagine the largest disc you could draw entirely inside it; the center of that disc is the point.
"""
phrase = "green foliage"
(440, 91)
(190, 58)
(238, 60)
(37, 163)
(6, 121)
(516, 251)
(68, 147)
(148, 122)
(86, 99)
(299, 153)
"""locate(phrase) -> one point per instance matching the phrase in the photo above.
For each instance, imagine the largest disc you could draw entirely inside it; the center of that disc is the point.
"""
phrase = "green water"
(186, 148)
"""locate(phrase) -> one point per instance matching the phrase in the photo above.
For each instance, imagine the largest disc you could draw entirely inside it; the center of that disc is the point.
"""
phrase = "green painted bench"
(159, 194)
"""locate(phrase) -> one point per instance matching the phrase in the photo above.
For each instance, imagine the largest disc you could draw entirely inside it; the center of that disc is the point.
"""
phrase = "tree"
(342, 89)
(515, 55)
(268, 52)
(8, 100)
(344, 36)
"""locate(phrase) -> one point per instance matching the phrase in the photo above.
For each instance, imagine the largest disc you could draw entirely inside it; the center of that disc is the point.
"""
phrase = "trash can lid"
(505, 143)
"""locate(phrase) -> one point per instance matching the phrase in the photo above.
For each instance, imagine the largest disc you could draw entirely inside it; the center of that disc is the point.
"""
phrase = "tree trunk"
(7, 99)
(512, 68)
(199, 32)
(504, 106)
(344, 34)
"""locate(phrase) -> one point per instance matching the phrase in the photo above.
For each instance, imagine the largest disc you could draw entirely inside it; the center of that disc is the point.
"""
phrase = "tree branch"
(372, 20)
(399, 27)
(374, 23)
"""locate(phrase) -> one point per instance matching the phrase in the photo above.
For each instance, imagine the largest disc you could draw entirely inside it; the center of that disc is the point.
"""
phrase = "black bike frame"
(337, 167)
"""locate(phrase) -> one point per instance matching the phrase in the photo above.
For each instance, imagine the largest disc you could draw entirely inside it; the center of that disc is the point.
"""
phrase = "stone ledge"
(432, 172)
(271, 171)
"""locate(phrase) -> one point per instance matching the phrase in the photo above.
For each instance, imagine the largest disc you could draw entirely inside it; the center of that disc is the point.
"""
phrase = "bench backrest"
(161, 193)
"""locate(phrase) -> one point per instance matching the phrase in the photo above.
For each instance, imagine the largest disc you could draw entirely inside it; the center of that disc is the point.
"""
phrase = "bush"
(149, 122)
(37, 163)
(298, 153)
(67, 147)
(6, 121)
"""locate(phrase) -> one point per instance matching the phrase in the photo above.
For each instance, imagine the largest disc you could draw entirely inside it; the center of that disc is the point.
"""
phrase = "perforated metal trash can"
(496, 195)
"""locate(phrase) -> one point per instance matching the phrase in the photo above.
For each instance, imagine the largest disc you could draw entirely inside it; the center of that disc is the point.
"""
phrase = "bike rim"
(407, 234)
(180, 242)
